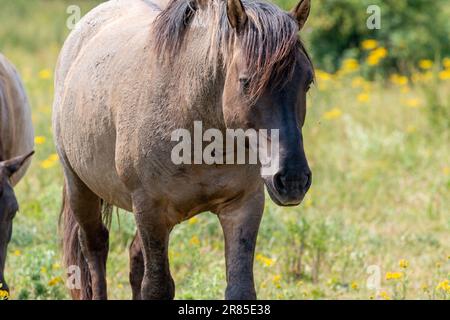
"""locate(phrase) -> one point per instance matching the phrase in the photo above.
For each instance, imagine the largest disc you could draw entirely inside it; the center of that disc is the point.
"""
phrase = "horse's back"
(97, 20)
(104, 51)
(16, 129)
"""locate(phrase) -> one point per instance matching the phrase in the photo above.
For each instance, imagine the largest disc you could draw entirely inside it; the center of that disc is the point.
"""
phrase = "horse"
(16, 147)
(129, 75)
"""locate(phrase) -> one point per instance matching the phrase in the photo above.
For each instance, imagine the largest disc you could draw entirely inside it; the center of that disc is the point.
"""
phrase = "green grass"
(380, 192)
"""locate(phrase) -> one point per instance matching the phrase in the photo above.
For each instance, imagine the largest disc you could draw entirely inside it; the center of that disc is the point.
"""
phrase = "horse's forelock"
(270, 41)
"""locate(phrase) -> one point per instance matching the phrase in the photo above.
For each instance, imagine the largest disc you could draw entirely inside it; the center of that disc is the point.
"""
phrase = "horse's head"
(267, 78)
(8, 206)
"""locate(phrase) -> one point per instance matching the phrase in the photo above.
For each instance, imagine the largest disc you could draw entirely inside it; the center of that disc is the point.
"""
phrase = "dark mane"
(270, 40)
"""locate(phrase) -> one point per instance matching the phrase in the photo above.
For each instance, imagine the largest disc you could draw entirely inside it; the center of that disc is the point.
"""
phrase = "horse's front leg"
(240, 224)
(153, 229)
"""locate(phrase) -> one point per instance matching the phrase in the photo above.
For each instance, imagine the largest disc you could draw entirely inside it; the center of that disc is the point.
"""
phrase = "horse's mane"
(270, 40)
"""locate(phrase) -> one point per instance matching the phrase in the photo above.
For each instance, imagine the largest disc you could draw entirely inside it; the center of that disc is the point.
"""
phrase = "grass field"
(378, 209)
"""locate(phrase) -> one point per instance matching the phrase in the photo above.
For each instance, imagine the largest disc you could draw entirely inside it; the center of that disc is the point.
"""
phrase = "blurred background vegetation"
(376, 135)
(410, 29)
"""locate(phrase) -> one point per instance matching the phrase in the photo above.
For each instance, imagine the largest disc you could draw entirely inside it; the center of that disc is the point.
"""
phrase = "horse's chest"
(209, 188)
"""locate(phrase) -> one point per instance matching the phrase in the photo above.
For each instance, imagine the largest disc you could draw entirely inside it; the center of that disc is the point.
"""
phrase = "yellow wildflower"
(332, 114)
(46, 164)
(55, 281)
(350, 65)
(412, 103)
(369, 44)
(426, 64)
(446, 63)
(276, 280)
(363, 97)
(403, 263)
(394, 275)
(53, 157)
(424, 287)
(444, 75)
(399, 80)
(195, 241)
(380, 52)
(45, 74)
(17, 253)
(385, 295)
(444, 286)
(264, 260)
(43, 270)
(376, 55)
(39, 140)
(193, 220)
(56, 266)
(4, 295)
(373, 60)
(354, 285)
(323, 76)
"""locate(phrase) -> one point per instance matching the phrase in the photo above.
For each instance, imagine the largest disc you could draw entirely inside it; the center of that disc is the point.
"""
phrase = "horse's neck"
(199, 84)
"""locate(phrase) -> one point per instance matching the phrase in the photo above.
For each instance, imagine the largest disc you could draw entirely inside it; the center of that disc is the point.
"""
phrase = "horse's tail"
(79, 281)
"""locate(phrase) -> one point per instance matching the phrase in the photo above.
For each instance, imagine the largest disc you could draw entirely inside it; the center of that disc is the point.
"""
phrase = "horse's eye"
(245, 83)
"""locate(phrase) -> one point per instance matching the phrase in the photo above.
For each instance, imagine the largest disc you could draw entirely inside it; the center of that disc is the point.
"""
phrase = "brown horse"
(127, 77)
(16, 145)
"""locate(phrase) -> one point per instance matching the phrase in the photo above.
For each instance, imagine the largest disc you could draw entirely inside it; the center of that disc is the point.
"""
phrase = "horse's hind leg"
(85, 237)
(136, 267)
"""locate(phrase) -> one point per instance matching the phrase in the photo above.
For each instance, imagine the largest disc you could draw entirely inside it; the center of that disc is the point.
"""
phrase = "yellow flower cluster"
(349, 66)
(384, 295)
(376, 56)
(4, 295)
(332, 114)
(55, 281)
(426, 64)
(195, 241)
(399, 80)
(45, 74)
(444, 286)
(369, 44)
(50, 161)
(445, 74)
(403, 263)
(394, 275)
(39, 140)
(265, 261)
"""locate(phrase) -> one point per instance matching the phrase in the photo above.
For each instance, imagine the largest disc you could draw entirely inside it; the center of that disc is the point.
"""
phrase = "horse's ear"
(301, 12)
(13, 165)
(236, 14)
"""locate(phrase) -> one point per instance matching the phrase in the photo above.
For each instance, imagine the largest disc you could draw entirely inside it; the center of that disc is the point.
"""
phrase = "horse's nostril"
(308, 181)
(279, 183)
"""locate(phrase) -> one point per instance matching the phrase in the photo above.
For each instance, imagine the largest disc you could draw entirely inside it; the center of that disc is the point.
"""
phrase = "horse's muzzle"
(289, 188)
